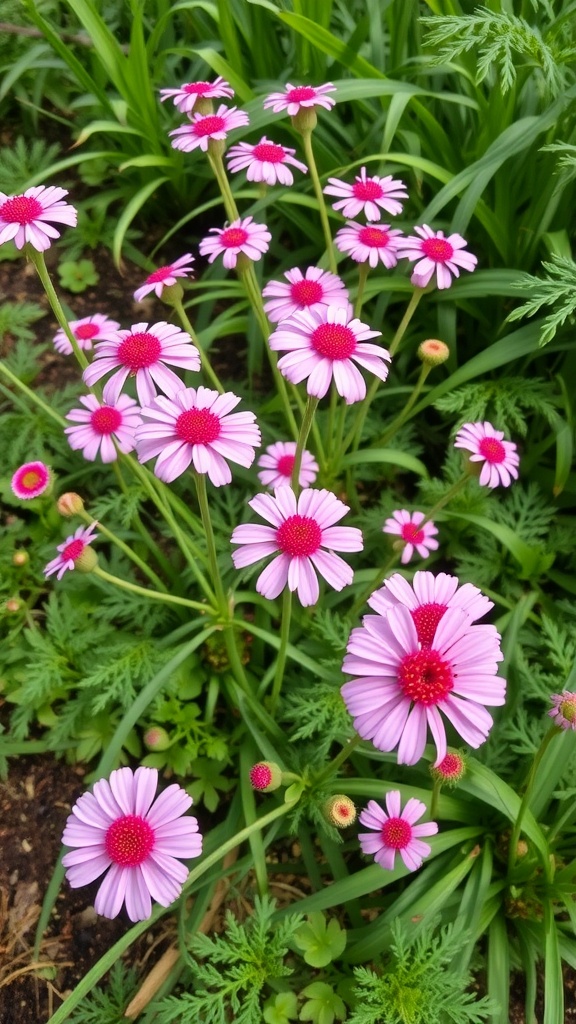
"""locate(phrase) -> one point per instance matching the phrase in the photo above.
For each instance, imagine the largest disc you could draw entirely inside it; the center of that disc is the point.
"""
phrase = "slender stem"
(410, 310)
(37, 258)
(127, 551)
(363, 270)
(217, 165)
(315, 178)
(154, 595)
(311, 406)
(200, 481)
(403, 414)
(336, 762)
(139, 525)
(206, 366)
(512, 850)
(32, 396)
(283, 650)
(377, 580)
(456, 487)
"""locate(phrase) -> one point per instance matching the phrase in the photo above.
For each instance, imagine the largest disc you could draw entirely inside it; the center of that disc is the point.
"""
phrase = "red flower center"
(299, 536)
(20, 209)
(196, 88)
(286, 464)
(129, 841)
(301, 92)
(412, 534)
(568, 710)
(426, 618)
(269, 152)
(451, 766)
(334, 341)
(159, 275)
(260, 776)
(233, 238)
(138, 351)
(198, 426)
(374, 238)
(306, 293)
(85, 332)
(105, 420)
(366, 190)
(396, 833)
(492, 450)
(209, 125)
(437, 249)
(31, 479)
(425, 677)
(74, 549)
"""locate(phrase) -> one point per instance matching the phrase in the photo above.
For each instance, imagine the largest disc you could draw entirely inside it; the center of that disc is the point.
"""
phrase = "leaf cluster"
(557, 289)
(508, 402)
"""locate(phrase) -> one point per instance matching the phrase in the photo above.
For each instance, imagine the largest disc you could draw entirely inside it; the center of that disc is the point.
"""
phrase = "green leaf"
(533, 559)
(322, 1004)
(281, 1009)
(321, 942)
(390, 456)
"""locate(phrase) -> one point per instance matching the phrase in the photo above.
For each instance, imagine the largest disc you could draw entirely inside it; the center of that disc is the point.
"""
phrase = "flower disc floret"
(311, 290)
(367, 195)
(265, 162)
(487, 445)
(436, 255)
(70, 551)
(31, 480)
(241, 236)
(165, 277)
(277, 465)
(368, 243)
(100, 428)
(300, 97)
(27, 217)
(203, 127)
(395, 831)
(88, 330)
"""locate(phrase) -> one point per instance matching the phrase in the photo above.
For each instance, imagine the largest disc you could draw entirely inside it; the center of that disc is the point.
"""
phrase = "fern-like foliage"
(107, 1005)
(22, 160)
(508, 403)
(557, 290)
(319, 713)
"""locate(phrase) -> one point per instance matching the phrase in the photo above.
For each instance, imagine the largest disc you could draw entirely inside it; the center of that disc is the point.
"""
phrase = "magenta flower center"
(426, 618)
(138, 351)
(73, 550)
(425, 677)
(260, 776)
(437, 249)
(568, 710)
(286, 464)
(159, 275)
(300, 93)
(492, 450)
(374, 238)
(306, 293)
(209, 125)
(269, 152)
(129, 841)
(20, 209)
(196, 88)
(105, 420)
(299, 536)
(233, 238)
(85, 332)
(198, 426)
(366, 190)
(333, 341)
(412, 534)
(451, 766)
(396, 833)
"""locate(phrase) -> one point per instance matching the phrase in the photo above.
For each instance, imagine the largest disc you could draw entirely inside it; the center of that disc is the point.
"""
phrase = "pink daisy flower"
(436, 255)
(487, 445)
(309, 291)
(266, 161)
(297, 97)
(323, 344)
(563, 709)
(142, 352)
(406, 525)
(278, 463)
(396, 832)
(120, 828)
(31, 480)
(370, 243)
(367, 195)
(241, 236)
(86, 331)
(100, 425)
(188, 94)
(25, 218)
(428, 598)
(70, 551)
(163, 277)
(302, 528)
(203, 127)
(195, 427)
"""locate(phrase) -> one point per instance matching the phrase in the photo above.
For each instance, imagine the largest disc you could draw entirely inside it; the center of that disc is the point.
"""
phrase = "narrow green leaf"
(386, 455)
(553, 978)
(499, 969)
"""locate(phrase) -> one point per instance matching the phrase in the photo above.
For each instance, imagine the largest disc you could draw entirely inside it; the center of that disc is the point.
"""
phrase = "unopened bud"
(87, 561)
(305, 120)
(450, 770)
(13, 605)
(266, 776)
(433, 352)
(172, 293)
(340, 811)
(217, 147)
(156, 738)
(70, 504)
(20, 558)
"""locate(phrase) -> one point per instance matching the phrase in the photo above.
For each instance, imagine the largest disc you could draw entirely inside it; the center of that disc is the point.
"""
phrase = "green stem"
(206, 366)
(512, 851)
(403, 414)
(410, 310)
(200, 481)
(311, 406)
(315, 178)
(126, 549)
(283, 651)
(37, 258)
(154, 595)
(217, 165)
(456, 487)
(32, 396)
(144, 534)
(363, 271)
(336, 762)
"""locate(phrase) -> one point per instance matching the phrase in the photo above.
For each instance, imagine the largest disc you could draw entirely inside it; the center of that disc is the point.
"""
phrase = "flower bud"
(305, 120)
(265, 776)
(70, 504)
(340, 811)
(20, 558)
(87, 561)
(450, 770)
(156, 738)
(172, 293)
(13, 605)
(433, 352)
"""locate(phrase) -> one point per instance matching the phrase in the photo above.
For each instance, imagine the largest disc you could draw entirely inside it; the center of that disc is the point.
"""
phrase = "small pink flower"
(31, 480)
(241, 236)
(367, 195)
(70, 551)
(267, 161)
(86, 331)
(487, 445)
(187, 95)
(406, 525)
(142, 352)
(436, 255)
(203, 127)
(101, 425)
(396, 832)
(297, 97)
(138, 840)
(370, 243)
(323, 345)
(163, 277)
(278, 463)
(195, 427)
(24, 218)
(428, 598)
(564, 709)
(302, 528)
(316, 288)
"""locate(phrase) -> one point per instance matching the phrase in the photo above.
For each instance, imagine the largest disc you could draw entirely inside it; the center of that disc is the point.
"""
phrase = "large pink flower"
(436, 255)
(26, 217)
(266, 161)
(408, 526)
(396, 832)
(188, 94)
(367, 195)
(87, 331)
(196, 427)
(163, 277)
(277, 464)
(70, 551)
(323, 344)
(140, 841)
(203, 127)
(302, 528)
(297, 97)
(312, 290)
(370, 243)
(241, 236)
(142, 352)
(499, 457)
(100, 425)
(428, 598)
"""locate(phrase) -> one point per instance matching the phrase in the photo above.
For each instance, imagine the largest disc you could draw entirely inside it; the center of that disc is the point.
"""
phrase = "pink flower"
(278, 463)
(86, 331)
(500, 457)
(428, 598)
(368, 242)
(563, 709)
(323, 344)
(163, 277)
(267, 161)
(396, 832)
(406, 525)
(186, 96)
(367, 195)
(24, 218)
(301, 528)
(241, 236)
(70, 551)
(101, 425)
(316, 288)
(203, 127)
(142, 352)
(120, 828)
(297, 97)
(195, 426)
(31, 480)
(436, 255)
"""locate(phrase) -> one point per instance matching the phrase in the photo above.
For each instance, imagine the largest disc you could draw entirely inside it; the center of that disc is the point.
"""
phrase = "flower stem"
(206, 366)
(512, 849)
(311, 406)
(37, 258)
(315, 178)
(403, 414)
(32, 396)
(200, 481)
(410, 310)
(127, 551)
(283, 650)
(217, 165)
(154, 595)
(336, 762)
(363, 270)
